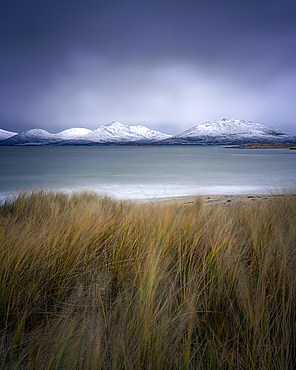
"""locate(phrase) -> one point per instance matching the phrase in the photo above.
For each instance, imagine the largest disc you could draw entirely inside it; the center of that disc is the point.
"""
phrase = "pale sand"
(223, 200)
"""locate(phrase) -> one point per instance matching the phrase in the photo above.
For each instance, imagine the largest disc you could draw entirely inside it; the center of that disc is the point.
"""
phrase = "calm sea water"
(127, 172)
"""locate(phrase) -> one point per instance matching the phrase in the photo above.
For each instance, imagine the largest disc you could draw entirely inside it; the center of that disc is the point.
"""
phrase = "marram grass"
(90, 283)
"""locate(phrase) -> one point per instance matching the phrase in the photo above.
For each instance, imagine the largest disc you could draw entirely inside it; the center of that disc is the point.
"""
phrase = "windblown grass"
(91, 283)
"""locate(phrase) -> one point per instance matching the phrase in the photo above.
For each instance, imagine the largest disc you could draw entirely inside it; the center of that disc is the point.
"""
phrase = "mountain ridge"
(4, 134)
(225, 131)
(228, 131)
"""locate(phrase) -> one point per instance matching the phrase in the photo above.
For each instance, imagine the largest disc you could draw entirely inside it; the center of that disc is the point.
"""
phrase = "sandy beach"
(223, 200)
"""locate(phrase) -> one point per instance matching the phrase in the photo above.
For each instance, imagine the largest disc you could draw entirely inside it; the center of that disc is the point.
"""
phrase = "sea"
(147, 172)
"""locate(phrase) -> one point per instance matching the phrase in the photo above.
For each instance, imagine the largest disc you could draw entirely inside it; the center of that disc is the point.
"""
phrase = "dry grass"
(91, 283)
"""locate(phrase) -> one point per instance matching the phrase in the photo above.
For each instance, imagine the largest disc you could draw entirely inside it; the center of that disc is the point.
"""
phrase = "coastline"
(186, 200)
(219, 200)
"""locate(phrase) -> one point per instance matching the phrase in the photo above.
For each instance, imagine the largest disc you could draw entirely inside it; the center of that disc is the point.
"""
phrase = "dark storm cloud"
(167, 64)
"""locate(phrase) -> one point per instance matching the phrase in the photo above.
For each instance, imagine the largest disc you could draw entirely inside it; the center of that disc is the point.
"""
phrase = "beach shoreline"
(220, 200)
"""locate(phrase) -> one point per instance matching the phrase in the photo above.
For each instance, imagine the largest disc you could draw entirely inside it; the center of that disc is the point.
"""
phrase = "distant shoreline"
(262, 146)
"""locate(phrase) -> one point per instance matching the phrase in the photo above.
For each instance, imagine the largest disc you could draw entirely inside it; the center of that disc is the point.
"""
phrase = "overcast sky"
(166, 64)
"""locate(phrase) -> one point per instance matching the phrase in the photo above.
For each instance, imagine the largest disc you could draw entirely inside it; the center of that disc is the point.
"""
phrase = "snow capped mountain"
(229, 131)
(72, 133)
(36, 133)
(32, 137)
(227, 126)
(117, 132)
(6, 134)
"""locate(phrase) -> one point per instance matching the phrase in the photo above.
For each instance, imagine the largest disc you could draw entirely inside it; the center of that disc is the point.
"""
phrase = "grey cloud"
(97, 91)
(164, 63)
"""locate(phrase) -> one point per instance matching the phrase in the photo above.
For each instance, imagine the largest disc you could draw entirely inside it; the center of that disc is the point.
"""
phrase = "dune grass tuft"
(88, 282)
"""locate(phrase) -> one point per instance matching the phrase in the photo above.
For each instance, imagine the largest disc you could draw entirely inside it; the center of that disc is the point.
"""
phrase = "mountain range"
(221, 132)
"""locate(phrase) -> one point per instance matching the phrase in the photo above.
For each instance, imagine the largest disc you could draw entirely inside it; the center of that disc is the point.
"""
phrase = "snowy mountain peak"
(36, 132)
(6, 134)
(31, 137)
(230, 131)
(225, 126)
(118, 132)
(73, 133)
(113, 124)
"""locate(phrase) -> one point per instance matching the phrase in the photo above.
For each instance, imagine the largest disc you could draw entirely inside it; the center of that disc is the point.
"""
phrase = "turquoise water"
(132, 172)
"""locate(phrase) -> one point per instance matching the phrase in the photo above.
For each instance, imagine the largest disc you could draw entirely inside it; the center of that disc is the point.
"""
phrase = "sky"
(166, 64)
